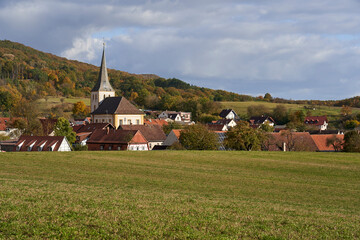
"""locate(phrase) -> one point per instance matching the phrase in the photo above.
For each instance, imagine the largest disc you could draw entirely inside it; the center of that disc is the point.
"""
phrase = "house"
(317, 122)
(7, 145)
(217, 127)
(83, 132)
(116, 140)
(106, 108)
(153, 133)
(43, 143)
(173, 137)
(228, 122)
(229, 114)
(175, 116)
(221, 135)
(290, 141)
(321, 140)
(256, 122)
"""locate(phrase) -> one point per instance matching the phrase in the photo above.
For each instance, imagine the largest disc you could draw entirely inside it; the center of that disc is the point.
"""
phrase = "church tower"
(102, 88)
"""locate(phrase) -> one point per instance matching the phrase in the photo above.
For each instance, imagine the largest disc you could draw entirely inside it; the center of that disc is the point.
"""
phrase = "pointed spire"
(103, 83)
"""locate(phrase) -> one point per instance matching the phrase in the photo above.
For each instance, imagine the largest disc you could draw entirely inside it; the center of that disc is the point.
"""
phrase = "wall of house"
(106, 147)
(135, 119)
(138, 147)
(104, 118)
(153, 144)
(64, 146)
(231, 115)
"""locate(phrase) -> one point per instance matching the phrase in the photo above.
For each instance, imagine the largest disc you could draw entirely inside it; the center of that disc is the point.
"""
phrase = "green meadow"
(179, 194)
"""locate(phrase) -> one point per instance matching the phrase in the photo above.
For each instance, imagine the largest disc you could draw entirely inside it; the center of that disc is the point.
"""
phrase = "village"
(117, 124)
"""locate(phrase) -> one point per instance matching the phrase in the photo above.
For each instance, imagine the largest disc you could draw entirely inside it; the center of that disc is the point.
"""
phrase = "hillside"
(32, 74)
(179, 194)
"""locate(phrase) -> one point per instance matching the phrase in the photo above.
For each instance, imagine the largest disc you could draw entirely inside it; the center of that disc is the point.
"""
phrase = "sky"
(293, 49)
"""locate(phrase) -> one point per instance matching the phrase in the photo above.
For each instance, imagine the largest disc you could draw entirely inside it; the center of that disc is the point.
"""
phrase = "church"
(106, 108)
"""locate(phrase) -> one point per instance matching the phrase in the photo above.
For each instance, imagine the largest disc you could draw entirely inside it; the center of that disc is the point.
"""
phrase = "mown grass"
(180, 194)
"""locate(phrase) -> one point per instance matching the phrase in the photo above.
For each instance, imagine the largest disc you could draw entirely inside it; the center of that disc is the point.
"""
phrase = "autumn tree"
(62, 128)
(198, 137)
(257, 110)
(335, 142)
(80, 110)
(244, 137)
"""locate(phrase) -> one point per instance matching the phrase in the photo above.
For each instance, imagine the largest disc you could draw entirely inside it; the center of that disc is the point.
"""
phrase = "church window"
(137, 121)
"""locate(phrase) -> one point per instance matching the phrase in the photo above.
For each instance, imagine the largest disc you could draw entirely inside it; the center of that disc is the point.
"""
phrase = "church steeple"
(102, 88)
(103, 83)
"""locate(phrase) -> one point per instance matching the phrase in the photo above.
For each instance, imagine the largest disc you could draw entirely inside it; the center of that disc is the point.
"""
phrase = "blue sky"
(290, 48)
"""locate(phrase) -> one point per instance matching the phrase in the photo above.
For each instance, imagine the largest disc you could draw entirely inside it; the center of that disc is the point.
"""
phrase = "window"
(29, 149)
(110, 147)
(137, 121)
(119, 148)
(39, 149)
(50, 149)
(101, 147)
(129, 121)
(120, 122)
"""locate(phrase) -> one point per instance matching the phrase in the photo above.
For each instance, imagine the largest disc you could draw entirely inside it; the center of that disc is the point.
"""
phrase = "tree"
(351, 124)
(170, 126)
(244, 137)
(266, 127)
(257, 110)
(280, 114)
(62, 128)
(335, 142)
(352, 142)
(80, 109)
(198, 137)
(268, 97)
(346, 110)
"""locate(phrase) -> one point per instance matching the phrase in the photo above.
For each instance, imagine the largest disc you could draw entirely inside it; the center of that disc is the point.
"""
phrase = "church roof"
(116, 105)
(103, 83)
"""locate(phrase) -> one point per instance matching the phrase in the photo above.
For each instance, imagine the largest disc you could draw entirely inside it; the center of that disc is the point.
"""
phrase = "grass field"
(179, 194)
(241, 108)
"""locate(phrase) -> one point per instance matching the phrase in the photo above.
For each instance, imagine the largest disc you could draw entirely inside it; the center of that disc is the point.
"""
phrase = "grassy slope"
(180, 194)
(330, 111)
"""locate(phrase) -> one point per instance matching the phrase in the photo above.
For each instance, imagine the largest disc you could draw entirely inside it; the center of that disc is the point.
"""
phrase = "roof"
(82, 136)
(260, 120)
(224, 121)
(215, 127)
(173, 116)
(103, 83)
(226, 112)
(315, 120)
(295, 141)
(116, 136)
(38, 141)
(93, 126)
(152, 133)
(320, 141)
(116, 105)
(160, 122)
(177, 132)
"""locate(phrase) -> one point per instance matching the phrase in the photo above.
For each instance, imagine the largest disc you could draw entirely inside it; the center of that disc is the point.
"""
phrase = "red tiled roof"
(94, 126)
(177, 132)
(117, 136)
(295, 141)
(320, 141)
(38, 141)
(315, 120)
(152, 133)
(160, 122)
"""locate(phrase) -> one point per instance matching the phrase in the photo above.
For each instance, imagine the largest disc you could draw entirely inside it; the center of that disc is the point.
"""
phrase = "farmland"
(179, 194)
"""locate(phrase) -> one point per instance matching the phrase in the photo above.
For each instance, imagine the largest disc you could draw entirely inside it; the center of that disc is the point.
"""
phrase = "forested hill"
(29, 73)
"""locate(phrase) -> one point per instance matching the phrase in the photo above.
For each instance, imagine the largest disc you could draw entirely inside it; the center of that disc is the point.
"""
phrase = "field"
(179, 194)
(332, 112)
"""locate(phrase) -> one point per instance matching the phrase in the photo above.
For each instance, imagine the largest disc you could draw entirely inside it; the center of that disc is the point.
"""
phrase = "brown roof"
(316, 120)
(116, 105)
(260, 120)
(116, 136)
(295, 141)
(93, 126)
(177, 132)
(320, 141)
(226, 112)
(215, 127)
(160, 122)
(50, 141)
(153, 133)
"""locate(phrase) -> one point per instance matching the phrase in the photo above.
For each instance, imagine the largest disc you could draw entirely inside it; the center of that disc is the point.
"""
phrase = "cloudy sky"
(293, 49)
